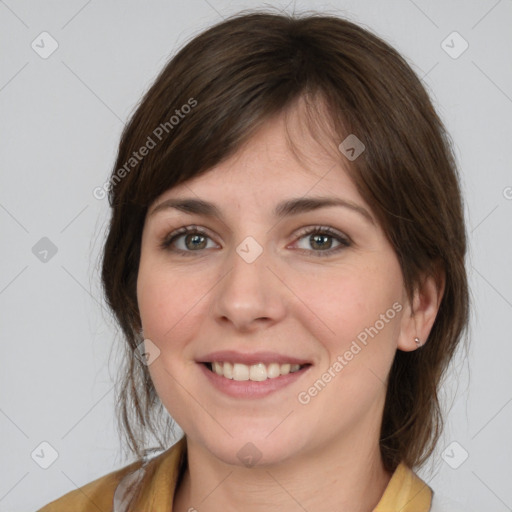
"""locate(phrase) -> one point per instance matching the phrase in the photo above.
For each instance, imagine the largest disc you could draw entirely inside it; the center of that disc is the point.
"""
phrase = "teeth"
(273, 370)
(256, 372)
(218, 368)
(285, 369)
(240, 372)
(227, 370)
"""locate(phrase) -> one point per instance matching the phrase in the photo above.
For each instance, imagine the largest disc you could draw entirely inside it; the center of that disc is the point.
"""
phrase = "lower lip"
(250, 388)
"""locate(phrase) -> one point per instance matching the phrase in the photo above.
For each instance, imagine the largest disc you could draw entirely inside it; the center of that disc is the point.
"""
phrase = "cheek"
(174, 304)
(168, 302)
(171, 304)
(348, 304)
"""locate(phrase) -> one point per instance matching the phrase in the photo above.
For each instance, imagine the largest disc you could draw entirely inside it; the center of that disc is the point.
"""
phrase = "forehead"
(280, 160)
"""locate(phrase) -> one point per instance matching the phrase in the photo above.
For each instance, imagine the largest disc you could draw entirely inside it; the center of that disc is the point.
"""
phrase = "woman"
(286, 260)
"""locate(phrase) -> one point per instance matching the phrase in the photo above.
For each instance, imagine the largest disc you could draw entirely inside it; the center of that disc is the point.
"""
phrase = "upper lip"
(248, 359)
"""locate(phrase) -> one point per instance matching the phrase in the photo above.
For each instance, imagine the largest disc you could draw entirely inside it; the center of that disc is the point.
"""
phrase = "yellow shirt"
(405, 492)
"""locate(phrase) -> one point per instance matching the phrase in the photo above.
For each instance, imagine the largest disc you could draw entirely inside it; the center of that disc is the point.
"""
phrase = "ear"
(418, 317)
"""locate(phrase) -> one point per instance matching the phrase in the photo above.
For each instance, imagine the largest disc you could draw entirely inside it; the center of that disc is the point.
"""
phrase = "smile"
(255, 372)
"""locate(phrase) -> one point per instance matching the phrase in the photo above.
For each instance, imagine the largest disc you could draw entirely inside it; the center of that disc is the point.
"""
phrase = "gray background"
(61, 121)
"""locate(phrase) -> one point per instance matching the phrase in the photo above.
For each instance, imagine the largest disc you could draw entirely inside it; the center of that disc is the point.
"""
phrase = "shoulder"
(96, 495)
(153, 477)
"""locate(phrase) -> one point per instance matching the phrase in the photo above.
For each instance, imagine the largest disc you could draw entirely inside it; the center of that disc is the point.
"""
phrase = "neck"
(346, 476)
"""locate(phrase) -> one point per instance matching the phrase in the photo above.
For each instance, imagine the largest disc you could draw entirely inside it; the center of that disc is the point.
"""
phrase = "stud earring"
(417, 341)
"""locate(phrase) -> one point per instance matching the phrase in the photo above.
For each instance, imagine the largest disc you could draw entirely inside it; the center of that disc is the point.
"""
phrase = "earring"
(417, 341)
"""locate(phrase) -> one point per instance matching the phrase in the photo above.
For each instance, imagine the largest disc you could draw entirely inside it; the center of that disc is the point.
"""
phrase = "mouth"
(258, 372)
(244, 375)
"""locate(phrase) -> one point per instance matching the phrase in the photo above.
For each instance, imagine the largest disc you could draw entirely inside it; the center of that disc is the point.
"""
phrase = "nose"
(250, 295)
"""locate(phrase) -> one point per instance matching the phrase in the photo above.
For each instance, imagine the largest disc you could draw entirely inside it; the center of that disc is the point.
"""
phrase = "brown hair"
(233, 77)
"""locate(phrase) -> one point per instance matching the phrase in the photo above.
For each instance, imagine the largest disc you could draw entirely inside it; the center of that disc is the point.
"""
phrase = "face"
(307, 304)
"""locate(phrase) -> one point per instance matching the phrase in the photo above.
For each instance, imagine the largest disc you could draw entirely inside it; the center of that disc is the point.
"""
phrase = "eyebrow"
(286, 208)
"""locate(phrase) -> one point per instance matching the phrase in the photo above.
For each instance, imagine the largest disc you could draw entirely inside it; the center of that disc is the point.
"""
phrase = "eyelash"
(167, 242)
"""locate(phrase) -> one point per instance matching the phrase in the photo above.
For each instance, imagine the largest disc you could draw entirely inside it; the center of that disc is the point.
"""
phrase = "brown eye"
(196, 241)
(320, 239)
(193, 239)
(190, 239)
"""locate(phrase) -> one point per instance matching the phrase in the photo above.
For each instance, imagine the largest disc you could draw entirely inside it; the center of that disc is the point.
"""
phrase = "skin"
(293, 299)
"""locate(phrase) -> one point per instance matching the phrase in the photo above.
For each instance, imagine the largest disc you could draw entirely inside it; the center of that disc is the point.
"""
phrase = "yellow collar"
(405, 492)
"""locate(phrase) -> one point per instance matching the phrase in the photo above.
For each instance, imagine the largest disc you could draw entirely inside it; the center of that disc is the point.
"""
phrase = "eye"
(319, 237)
(194, 240)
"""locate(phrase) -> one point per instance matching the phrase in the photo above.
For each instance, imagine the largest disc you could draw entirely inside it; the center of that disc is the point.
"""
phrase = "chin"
(256, 448)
